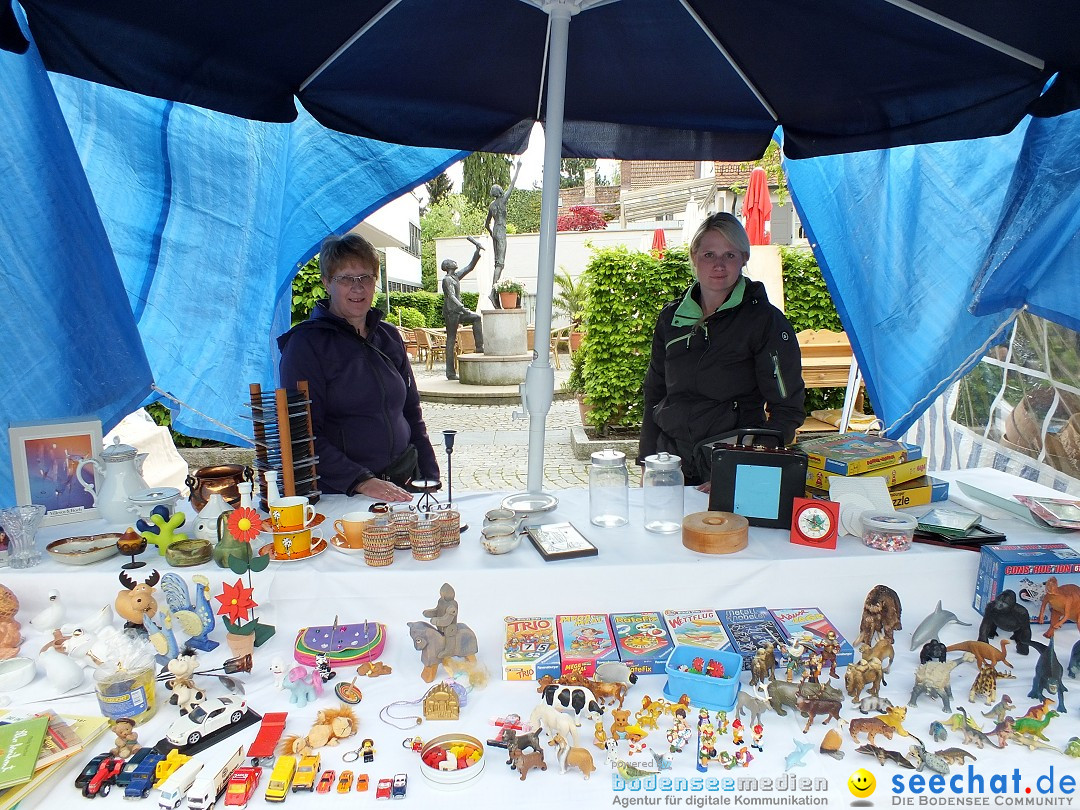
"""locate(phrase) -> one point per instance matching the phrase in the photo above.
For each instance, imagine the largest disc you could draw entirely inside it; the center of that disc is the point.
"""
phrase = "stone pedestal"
(506, 356)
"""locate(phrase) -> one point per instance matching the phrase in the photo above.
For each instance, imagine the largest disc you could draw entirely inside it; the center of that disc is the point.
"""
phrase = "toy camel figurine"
(444, 639)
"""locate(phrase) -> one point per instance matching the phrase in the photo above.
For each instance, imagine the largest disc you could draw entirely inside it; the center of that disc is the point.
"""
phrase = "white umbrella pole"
(539, 389)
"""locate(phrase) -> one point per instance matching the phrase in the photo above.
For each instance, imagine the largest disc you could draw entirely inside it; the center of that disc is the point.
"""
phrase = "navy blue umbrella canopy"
(661, 79)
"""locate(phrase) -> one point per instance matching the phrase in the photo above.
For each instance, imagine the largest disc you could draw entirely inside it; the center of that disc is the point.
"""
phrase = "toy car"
(204, 719)
(306, 773)
(242, 785)
(401, 784)
(101, 782)
(133, 762)
(141, 780)
(280, 779)
(89, 770)
(344, 782)
(362, 783)
(326, 781)
(382, 790)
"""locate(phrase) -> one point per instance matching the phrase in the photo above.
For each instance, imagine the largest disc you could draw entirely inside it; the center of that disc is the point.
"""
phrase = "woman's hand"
(382, 490)
(706, 487)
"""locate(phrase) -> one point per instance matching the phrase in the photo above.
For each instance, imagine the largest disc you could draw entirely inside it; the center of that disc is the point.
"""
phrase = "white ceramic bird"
(51, 617)
(95, 624)
(63, 673)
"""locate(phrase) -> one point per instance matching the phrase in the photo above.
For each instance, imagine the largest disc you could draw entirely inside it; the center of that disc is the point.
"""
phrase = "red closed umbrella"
(757, 207)
(659, 242)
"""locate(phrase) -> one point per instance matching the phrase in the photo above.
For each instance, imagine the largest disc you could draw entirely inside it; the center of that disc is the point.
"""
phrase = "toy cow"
(573, 698)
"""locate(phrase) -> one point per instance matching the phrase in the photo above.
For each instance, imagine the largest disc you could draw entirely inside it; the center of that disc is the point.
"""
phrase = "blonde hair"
(729, 227)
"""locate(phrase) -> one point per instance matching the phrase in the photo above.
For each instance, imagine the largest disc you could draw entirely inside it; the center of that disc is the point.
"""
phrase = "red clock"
(814, 523)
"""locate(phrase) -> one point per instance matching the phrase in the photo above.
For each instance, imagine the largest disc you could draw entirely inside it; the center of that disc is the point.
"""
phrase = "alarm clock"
(814, 522)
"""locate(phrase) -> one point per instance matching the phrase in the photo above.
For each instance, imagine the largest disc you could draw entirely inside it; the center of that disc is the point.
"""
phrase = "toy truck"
(142, 778)
(273, 724)
(281, 778)
(178, 784)
(242, 785)
(211, 781)
(306, 773)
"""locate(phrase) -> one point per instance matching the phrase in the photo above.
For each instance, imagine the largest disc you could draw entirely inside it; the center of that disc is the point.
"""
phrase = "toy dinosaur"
(927, 759)
(933, 678)
(1048, 672)
(961, 719)
(978, 738)
(1000, 709)
(1064, 604)
(984, 652)
(1029, 726)
(955, 756)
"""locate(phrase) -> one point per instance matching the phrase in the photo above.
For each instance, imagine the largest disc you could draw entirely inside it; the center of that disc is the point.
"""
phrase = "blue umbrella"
(475, 74)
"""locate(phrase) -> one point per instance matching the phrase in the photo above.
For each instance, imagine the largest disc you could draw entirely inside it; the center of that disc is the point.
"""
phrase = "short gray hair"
(337, 251)
(728, 226)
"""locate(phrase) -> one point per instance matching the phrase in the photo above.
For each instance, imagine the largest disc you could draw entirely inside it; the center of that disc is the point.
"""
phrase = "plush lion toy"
(331, 725)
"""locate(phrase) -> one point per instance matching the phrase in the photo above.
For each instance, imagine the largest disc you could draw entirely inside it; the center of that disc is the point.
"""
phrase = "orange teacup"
(351, 528)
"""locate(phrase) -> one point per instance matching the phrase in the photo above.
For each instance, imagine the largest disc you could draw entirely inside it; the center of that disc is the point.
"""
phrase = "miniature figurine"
(882, 650)
(938, 731)
(874, 703)
(985, 684)
(743, 757)
(721, 723)
(373, 669)
(194, 616)
(331, 727)
(184, 692)
(884, 755)
(934, 678)
(523, 763)
(678, 736)
(522, 739)
(706, 746)
(925, 759)
(1074, 661)
(1048, 672)
(615, 672)
(754, 705)
(1064, 604)
(863, 673)
(757, 731)
(763, 664)
(985, 654)
(322, 666)
(277, 669)
(127, 741)
(954, 756)
(303, 686)
(555, 722)
(812, 707)
(830, 746)
(871, 727)
(367, 749)
(795, 758)
(829, 649)
(895, 718)
(880, 617)
(444, 640)
(51, 617)
(791, 657)
(137, 601)
(812, 669)
(1005, 613)
(575, 699)
(1001, 709)
(620, 722)
(933, 650)
(736, 732)
(931, 626)
(599, 735)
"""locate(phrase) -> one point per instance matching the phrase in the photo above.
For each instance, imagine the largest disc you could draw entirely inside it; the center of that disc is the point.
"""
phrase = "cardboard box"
(698, 628)
(643, 641)
(815, 624)
(1024, 569)
(854, 453)
(585, 639)
(918, 492)
(530, 649)
(748, 628)
(893, 475)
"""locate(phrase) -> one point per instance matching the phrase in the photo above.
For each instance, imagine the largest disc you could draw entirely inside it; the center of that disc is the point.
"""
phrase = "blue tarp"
(929, 250)
(207, 215)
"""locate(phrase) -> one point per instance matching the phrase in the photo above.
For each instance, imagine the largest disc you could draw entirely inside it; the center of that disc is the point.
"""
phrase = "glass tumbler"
(403, 516)
(609, 489)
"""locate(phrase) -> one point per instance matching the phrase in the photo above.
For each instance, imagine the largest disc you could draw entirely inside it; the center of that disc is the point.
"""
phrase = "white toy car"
(206, 718)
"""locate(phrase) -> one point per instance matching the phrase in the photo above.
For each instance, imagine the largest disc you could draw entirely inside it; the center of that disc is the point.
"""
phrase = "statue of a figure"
(495, 224)
(455, 312)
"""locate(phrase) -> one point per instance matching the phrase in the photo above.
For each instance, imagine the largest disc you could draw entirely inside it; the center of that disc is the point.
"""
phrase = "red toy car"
(326, 781)
(241, 786)
(382, 791)
(101, 783)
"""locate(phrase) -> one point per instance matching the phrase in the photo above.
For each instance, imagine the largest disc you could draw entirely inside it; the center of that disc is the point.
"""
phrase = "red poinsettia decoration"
(236, 601)
(245, 524)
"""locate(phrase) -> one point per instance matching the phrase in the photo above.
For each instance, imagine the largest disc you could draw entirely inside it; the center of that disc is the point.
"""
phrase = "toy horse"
(458, 641)
(303, 686)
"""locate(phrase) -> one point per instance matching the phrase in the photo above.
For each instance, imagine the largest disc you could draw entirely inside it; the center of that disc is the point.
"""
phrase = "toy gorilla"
(1005, 614)
(933, 650)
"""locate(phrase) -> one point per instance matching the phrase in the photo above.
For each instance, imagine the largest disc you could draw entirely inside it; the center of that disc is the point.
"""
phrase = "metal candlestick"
(448, 442)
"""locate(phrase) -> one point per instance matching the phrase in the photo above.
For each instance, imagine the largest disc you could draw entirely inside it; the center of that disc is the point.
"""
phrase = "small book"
(20, 744)
(814, 624)
(559, 541)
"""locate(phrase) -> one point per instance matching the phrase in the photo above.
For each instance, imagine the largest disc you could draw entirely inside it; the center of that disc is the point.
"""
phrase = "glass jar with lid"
(609, 489)
(662, 489)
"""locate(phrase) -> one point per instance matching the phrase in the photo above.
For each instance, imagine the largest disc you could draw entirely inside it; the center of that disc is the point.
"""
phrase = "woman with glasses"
(370, 435)
(723, 357)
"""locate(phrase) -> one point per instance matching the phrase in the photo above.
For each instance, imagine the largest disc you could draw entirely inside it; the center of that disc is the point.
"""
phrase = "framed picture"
(45, 459)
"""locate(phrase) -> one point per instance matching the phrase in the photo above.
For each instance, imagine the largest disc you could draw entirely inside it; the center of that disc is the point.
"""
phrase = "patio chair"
(409, 339)
(464, 344)
(423, 345)
(560, 338)
(436, 345)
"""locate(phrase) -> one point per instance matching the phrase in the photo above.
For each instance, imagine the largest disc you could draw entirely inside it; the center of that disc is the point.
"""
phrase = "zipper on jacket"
(779, 375)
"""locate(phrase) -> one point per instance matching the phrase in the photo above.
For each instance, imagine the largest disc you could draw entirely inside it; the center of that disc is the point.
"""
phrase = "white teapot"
(117, 476)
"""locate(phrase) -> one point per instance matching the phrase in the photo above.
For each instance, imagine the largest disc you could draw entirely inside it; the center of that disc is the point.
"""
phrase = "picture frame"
(44, 461)
(559, 541)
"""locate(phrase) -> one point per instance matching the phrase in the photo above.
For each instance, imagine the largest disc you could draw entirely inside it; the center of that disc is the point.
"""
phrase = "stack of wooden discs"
(715, 532)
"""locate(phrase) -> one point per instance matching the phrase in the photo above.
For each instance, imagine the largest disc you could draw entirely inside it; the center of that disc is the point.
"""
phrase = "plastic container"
(609, 489)
(126, 693)
(705, 691)
(663, 489)
(470, 753)
(888, 531)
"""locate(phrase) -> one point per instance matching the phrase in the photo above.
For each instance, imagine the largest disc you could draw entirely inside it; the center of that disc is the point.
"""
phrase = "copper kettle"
(221, 479)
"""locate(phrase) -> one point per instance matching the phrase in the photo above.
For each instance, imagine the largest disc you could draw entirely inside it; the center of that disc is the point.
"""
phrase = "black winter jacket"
(365, 409)
(708, 376)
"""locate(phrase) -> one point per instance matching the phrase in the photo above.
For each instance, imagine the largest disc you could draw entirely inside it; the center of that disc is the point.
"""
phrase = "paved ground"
(491, 447)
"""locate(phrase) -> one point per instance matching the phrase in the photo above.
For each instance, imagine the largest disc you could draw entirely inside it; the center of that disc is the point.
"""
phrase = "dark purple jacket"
(365, 409)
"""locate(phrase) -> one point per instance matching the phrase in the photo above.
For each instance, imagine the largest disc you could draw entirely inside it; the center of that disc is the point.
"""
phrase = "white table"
(633, 571)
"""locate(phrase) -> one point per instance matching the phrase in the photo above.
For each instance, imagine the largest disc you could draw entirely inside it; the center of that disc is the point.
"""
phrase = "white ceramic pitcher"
(117, 476)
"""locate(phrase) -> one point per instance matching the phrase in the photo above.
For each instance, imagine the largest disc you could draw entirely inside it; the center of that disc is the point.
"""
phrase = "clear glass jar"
(663, 489)
(609, 489)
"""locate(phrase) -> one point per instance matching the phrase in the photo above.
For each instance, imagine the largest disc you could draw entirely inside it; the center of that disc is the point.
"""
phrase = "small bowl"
(499, 516)
(500, 537)
(15, 673)
(194, 551)
(84, 550)
(888, 531)
(460, 777)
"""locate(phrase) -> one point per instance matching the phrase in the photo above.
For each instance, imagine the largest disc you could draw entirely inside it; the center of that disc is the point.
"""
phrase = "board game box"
(893, 474)
(812, 622)
(585, 639)
(530, 649)
(748, 628)
(698, 628)
(854, 453)
(1024, 569)
(643, 641)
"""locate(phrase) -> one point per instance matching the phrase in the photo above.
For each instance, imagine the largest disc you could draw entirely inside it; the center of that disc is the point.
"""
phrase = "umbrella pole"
(538, 391)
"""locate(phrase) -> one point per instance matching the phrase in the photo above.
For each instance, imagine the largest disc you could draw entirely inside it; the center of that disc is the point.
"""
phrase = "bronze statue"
(454, 311)
(495, 224)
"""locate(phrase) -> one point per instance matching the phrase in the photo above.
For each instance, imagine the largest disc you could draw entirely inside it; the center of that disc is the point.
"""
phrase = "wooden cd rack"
(284, 440)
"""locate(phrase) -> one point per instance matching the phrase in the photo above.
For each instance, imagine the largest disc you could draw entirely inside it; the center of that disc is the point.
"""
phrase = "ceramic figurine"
(184, 692)
(51, 617)
(206, 524)
(277, 669)
(127, 741)
(193, 614)
(160, 529)
(880, 616)
(1005, 613)
(331, 727)
(10, 635)
(931, 626)
(63, 673)
(138, 600)
(934, 679)
(444, 639)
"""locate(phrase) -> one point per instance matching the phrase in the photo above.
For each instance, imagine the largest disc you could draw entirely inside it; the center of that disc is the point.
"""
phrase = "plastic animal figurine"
(194, 616)
(961, 719)
(1072, 749)
(600, 735)
(1005, 613)
(795, 758)
(927, 759)
(874, 703)
(895, 718)
(812, 707)
(754, 705)
(184, 692)
(985, 684)
(882, 650)
(938, 731)
(1063, 602)
(615, 672)
(137, 600)
(871, 727)
(555, 722)
(575, 699)
(1074, 661)
(522, 739)
(322, 666)
(331, 727)
(955, 756)
(1048, 672)
(863, 673)
(884, 755)
(984, 653)
(1039, 710)
(1034, 728)
(523, 763)
(934, 678)
(1000, 709)
(880, 616)
(933, 650)
(978, 738)
(620, 723)
(931, 626)
(277, 669)
(303, 686)
(570, 757)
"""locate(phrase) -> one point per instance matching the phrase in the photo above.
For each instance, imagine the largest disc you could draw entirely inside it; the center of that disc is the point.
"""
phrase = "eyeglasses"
(355, 281)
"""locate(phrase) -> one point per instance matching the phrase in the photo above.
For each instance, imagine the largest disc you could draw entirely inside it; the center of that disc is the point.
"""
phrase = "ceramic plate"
(315, 521)
(337, 543)
(84, 550)
(318, 546)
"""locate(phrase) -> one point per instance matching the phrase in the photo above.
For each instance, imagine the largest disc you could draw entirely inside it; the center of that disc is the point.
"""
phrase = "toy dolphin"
(930, 626)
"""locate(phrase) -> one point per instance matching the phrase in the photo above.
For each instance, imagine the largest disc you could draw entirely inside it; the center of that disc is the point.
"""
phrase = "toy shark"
(930, 626)
(795, 758)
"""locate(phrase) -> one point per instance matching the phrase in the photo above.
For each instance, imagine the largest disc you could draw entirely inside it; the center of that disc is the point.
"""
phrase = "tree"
(453, 216)
(480, 171)
(523, 210)
(572, 174)
(439, 188)
(582, 218)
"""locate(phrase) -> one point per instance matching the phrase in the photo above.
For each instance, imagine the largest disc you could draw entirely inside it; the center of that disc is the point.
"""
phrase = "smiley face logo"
(861, 783)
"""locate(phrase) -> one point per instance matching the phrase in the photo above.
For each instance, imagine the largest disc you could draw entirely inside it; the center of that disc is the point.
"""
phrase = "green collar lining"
(689, 312)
